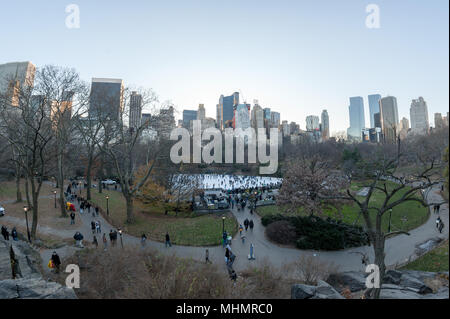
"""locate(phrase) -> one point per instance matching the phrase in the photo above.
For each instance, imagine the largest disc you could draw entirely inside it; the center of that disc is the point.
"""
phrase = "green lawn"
(185, 229)
(407, 216)
(435, 260)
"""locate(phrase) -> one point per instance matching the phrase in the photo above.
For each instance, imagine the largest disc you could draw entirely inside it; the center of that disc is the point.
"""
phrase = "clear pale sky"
(296, 57)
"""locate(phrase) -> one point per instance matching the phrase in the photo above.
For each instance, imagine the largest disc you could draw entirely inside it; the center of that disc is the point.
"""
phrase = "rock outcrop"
(321, 291)
(29, 283)
(34, 288)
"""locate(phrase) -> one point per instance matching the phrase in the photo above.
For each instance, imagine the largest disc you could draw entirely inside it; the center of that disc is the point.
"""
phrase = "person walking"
(438, 208)
(56, 261)
(111, 237)
(207, 257)
(72, 218)
(98, 228)
(14, 234)
(143, 240)
(168, 243)
(78, 239)
(224, 237)
(441, 226)
(96, 210)
(95, 242)
(250, 224)
(105, 242)
(227, 256)
(241, 229)
(438, 221)
(93, 227)
(5, 233)
(246, 222)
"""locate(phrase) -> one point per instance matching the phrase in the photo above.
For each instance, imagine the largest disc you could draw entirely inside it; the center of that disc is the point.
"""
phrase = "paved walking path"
(398, 249)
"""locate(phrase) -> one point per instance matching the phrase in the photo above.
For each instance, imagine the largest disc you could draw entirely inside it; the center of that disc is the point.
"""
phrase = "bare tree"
(119, 144)
(378, 171)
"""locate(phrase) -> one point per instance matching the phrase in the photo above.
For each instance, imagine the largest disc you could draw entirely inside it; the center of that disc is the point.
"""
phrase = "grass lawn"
(407, 216)
(184, 229)
(435, 260)
(8, 190)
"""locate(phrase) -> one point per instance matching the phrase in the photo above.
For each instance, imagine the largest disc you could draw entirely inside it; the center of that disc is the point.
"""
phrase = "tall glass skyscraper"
(225, 110)
(357, 121)
(106, 98)
(389, 118)
(374, 107)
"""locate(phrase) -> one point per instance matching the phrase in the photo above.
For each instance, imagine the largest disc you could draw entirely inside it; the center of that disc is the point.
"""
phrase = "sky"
(297, 57)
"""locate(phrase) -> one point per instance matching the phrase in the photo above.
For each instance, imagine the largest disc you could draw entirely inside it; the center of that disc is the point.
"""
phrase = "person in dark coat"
(5, 233)
(246, 223)
(250, 224)
(56, 261)
(14, 234)
(168, 243)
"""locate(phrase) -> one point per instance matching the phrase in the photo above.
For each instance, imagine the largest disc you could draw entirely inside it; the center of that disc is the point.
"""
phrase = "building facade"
(357, 119)
(135, 110)
(325, 125)
(106, 100)
(419, 116)
(374, 107)
(389, 118)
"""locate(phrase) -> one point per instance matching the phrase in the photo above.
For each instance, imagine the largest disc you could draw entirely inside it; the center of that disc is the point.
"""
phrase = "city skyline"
(191, 65)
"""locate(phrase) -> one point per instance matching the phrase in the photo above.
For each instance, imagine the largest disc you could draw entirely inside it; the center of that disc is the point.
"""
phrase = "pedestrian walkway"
(398, 249)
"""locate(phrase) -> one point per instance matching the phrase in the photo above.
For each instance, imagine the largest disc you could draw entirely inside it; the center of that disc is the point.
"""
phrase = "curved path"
(398, 249)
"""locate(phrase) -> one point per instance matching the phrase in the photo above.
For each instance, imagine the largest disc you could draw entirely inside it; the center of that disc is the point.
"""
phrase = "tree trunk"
(19, 193)
(88, 177)
(61, 189)
(130, 212)
(378, 247)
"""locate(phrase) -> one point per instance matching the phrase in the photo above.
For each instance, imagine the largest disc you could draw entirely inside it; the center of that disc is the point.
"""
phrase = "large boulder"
(34, 288)
(321, 291)
(353, 280)
(409, 281)
(302, 291)
(325, 291)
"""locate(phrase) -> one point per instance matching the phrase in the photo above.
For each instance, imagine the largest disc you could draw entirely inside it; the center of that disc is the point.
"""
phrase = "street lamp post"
(107, 205)
(223, 224)
(121, 241)
(54, 192)
(390, 216)
(25, 209)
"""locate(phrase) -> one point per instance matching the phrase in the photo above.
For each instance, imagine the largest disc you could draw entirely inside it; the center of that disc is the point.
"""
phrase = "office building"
(14, 77)
(389, 119)
(225, 110)
(188, 117)
(312, 123)
(419, 116)
(374, 107)
(135, 110)
(357, 119)
(106, 100)
(325, 125)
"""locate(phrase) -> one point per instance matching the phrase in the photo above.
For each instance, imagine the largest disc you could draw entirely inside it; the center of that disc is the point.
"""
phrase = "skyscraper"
(275, 119)
(225, 110)
(312, 123)
(389, 118)
(285, 128)
(135, 110)
(325, 125)
(106, 98)
(15, 76)
(374, 107)
(188, 116)
(241, 117)
(438, 121)
(419, 116)
(357, 119)
(201, 113)
(257, 118)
